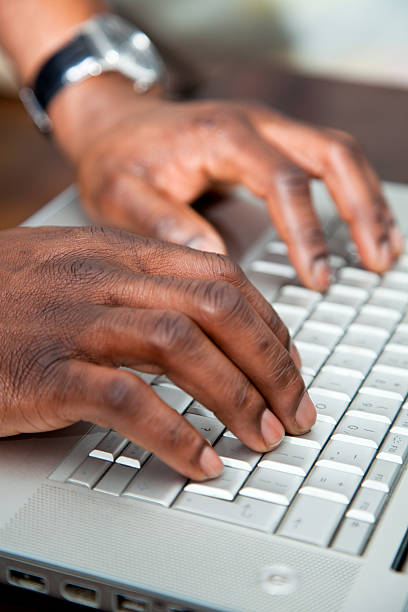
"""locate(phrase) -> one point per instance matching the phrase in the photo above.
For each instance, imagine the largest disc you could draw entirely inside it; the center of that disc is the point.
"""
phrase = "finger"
(246, 158)
(121, 401)
(168, 260)
(338, 160)
(134, 205)
(171, 340)
(226, 316)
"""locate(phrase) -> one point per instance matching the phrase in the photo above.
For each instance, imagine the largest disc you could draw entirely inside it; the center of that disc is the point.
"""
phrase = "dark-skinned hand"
(77, 303)
(143, 159)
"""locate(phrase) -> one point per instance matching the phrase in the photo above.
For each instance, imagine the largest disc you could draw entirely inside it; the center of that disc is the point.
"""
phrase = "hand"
(77, 303)
(143, 160)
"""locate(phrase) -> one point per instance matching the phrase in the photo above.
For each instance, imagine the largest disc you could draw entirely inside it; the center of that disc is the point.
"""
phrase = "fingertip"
(306, 413)
(271, 429)
(211, 244)
(321, 274)
(210, 463)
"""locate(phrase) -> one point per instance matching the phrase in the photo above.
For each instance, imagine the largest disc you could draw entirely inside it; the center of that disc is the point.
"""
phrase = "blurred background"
(363, 40)
(342, 63)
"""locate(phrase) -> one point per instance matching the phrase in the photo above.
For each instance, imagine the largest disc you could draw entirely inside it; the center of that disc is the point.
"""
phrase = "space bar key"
(311, 519)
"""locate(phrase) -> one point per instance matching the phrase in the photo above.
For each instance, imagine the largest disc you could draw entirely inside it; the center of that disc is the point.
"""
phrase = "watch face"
(129, 50)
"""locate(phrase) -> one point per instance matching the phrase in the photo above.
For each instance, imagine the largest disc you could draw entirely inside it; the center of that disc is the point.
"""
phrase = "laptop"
(320, 523)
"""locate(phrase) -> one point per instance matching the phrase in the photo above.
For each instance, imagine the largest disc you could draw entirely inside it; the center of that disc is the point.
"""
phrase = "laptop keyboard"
(329, 486)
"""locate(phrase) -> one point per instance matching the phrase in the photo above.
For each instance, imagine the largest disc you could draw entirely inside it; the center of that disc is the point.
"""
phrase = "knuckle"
(118, 395)
(312, 235)
(224, 268)
(344, 146)
(219, 117)
(284, 373)
(221, 300)
(172, 331)
(292, 177)
(180, 435)
(245, 396)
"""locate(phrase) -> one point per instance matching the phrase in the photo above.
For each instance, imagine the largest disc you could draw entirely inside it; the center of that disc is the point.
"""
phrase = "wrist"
(81, 112)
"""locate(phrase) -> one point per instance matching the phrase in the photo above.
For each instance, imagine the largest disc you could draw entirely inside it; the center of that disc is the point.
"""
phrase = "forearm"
(31, 30)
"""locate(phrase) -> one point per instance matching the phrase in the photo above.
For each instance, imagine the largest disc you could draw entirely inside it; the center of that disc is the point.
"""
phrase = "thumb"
(135, 206)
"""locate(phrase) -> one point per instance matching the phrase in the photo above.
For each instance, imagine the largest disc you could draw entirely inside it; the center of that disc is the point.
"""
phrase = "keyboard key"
(346, 457)
(390, 299)
(367, 505)
(197, 408)
(290, 458)
(374, 407)
(292, 316)
(148, 378)
(331, 484)
(335, 314)
(351, 358)
(369, 338)
(312, 356)
(89, 472)
(394, 448)
(276, 247)
(336, 262)
(234, 453)
(133, 456)
(329, 405)
(358, 278)
(349, 296)
(299, 296)
(178, 399)
(225, 486)
(265, 283)
(386, 381)
(321, 334)
(311, 520)
(110, 447)
(164, 381)
(274, 268)
(395, 280)
(272, 486)
(382, 475)
(400, 425)
(395, 357)
(399, 339)
(374, 316)
(357, 430)
(352, 536)
(116, 479)
(315, 438)
(209, 428)
(244, 511)
(156, 482)
(334, 379)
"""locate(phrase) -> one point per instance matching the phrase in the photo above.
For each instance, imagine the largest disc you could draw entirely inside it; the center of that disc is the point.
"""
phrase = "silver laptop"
(320, 523)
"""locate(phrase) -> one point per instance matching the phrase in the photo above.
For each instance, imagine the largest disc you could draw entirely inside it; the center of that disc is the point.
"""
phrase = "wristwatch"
(103, 43)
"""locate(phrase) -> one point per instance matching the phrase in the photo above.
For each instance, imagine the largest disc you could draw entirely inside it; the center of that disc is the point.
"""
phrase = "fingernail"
(397, 240)
(210, 462)
(306, 413)
(202, 243)
(321, 273)
(270, 429)
(294, 353)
